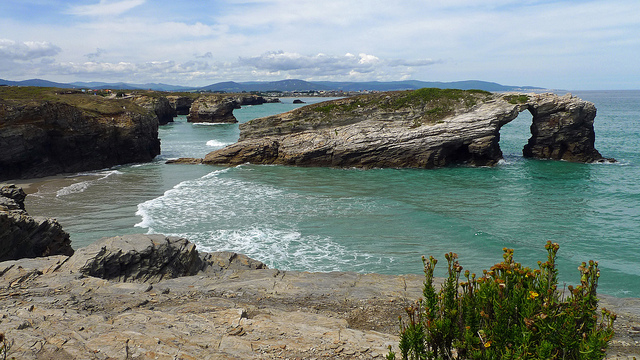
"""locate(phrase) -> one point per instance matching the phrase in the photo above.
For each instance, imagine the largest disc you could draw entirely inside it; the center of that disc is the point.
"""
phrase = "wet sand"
(32, 186)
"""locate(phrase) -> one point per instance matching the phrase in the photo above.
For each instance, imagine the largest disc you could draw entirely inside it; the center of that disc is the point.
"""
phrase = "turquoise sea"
(380, 220)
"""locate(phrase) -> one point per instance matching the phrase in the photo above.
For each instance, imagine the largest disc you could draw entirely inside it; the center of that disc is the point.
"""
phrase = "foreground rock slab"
(51, 312)
(231, 309)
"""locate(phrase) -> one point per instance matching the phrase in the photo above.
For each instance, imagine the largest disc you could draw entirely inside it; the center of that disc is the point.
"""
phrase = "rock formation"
(180, 104)
(422, 129)
(151, 258)
(213, 109)
(43, 133)
(158, 105)
(218, 108)
(24, 236)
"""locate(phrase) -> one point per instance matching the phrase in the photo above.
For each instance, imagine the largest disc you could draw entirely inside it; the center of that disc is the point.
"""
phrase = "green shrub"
(517, 99)
(5, 346)
(511, 312)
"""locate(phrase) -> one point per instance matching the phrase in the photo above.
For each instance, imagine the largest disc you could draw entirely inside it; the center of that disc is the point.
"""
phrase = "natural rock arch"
(415, 129)
(561, 128)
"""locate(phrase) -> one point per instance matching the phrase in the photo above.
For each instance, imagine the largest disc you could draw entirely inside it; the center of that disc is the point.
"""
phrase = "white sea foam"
(209, 124)
(220, 211)
(216, 143)
(84, 185)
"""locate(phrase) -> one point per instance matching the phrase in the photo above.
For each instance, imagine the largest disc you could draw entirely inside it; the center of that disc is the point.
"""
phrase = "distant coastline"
(291, 85)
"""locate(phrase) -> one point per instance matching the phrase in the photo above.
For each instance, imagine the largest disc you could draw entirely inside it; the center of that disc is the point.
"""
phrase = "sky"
(571, 44)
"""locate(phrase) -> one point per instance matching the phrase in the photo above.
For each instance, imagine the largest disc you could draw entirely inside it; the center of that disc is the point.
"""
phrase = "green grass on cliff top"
(34, 96)
(434, 103)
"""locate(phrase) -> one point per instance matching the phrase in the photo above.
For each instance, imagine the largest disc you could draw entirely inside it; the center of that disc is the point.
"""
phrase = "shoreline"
(32, 185)
(54, 183)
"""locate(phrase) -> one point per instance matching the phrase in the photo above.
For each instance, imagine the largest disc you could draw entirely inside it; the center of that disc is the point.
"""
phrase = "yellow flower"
(487, 344)
(533, 295)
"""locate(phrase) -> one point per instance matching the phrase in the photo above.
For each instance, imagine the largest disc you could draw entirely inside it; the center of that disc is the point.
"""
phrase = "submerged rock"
(25, 236)
(424, 128)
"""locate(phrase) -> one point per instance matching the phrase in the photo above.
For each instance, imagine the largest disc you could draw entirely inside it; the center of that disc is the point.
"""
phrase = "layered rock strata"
(43, 133)
(180, 104)
(158, 105)
(424, 128)
(151, 258)
(50, 309)
(24, 236)
(219, 108)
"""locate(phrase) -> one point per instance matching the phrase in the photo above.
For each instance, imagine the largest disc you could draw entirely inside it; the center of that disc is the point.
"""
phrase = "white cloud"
(323, 65)
(28, 50)
(106, 8)
(553, 43)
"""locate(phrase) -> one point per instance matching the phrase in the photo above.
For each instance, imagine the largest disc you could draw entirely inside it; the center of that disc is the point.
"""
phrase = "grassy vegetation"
(435, 104)
(442, 96)
(511, 312)
(33, 96)
(517, 99)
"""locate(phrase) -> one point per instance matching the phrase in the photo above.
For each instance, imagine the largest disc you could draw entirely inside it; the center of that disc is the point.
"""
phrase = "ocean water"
(379, 220)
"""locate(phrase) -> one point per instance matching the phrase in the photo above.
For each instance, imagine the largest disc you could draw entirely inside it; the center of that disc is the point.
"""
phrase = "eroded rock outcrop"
(24, 236)
(218, 108)
(180, 104)
(44, 133)
(151, 258)
(158, 105)
(422, 129)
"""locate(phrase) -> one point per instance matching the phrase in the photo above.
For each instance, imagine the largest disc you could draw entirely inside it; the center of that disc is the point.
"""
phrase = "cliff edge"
(45, 131)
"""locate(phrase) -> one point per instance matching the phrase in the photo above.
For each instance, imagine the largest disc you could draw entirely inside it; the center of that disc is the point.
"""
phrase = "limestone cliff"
(422, 129)
(24, 236)
(43, 132)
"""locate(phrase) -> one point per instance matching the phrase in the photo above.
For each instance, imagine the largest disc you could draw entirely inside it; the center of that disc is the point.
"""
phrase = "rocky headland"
(46, 131)
(424, 128)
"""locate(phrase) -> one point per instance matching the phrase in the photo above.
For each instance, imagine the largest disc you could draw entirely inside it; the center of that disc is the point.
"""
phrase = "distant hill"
(284, 85)
(127, 86)
(301, 85)
(35, 82)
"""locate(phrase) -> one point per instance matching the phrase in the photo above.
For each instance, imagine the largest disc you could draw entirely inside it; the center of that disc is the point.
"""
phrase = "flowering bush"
(4, 347)
(511, 312)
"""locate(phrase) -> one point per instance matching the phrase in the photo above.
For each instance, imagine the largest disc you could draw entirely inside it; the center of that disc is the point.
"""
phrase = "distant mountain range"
(283, 85)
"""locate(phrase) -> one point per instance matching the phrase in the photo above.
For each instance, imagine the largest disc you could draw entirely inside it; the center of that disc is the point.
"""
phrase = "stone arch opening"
(515, 135)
